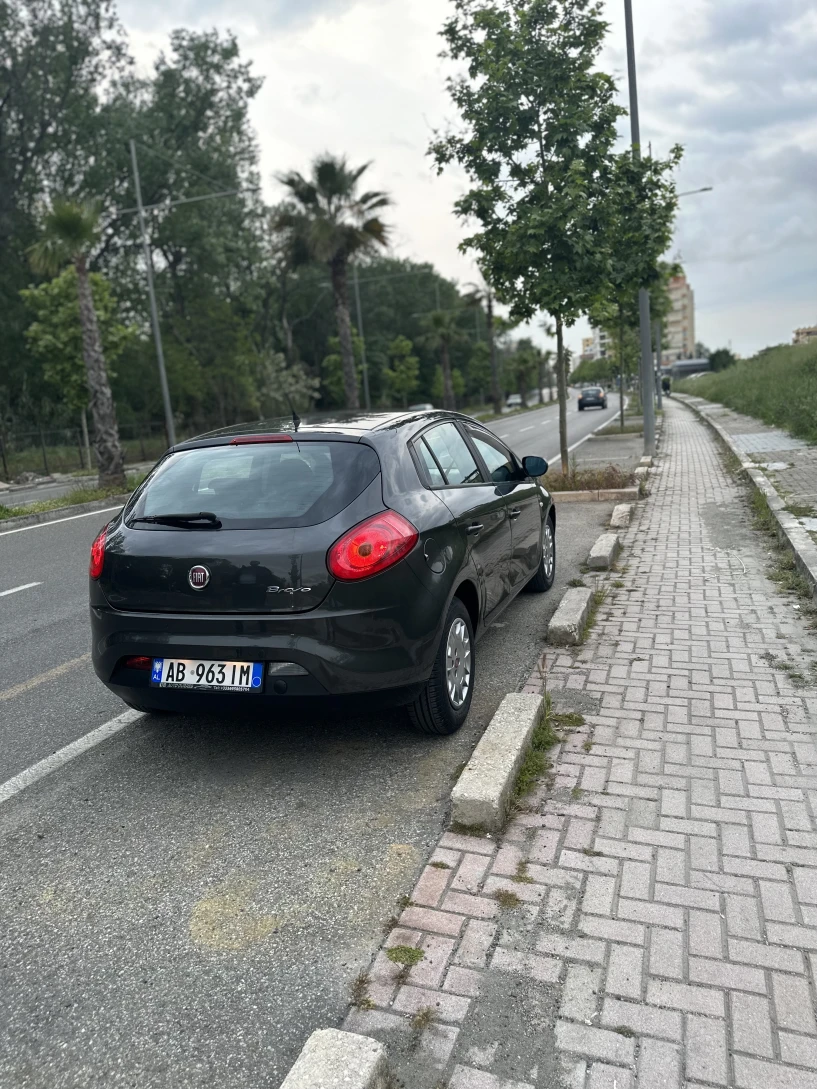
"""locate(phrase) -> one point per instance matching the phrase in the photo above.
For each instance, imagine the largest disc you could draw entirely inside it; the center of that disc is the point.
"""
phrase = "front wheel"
(443, 705)
(581, 408)
(546, 571)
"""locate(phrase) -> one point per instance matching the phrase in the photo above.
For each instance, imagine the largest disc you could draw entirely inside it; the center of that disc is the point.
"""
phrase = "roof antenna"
(296, 419)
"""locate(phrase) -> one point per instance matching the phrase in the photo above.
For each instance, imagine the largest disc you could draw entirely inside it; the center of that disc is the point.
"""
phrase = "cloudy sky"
(734, 81)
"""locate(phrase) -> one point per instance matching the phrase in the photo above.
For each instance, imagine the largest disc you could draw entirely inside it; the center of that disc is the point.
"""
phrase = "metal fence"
(63, 450)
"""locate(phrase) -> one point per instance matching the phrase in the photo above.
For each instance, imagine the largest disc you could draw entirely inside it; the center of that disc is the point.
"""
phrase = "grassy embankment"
(78, 495)
(778, 386)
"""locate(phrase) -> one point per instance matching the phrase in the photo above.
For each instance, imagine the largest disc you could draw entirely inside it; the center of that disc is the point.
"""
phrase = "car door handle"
(474, 528)
(515, 512)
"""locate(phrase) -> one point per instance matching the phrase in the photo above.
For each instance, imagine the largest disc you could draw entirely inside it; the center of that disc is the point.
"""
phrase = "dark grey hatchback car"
(358, 555)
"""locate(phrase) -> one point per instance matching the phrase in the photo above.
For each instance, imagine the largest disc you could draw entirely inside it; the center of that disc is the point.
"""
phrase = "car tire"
(546, 571)
(436, 711)
(581, 408)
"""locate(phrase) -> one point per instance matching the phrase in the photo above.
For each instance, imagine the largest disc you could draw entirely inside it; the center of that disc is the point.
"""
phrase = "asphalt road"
(184, 903)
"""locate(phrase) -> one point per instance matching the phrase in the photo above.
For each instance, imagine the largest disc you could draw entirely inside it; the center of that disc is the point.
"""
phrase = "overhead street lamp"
(692, 192)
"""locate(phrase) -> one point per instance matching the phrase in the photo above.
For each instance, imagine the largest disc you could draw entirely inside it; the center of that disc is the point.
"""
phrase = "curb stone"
(566, 628)
(603, 495)
(64, 512)
(620, 518)
(789, 531)
(604, 551)
(332, 1058)
(482, 792)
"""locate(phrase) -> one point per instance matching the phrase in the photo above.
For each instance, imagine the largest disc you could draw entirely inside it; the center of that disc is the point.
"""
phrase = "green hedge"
(778, 386)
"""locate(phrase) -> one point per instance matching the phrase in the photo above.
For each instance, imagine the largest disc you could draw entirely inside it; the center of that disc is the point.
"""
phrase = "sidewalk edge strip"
(789, 531)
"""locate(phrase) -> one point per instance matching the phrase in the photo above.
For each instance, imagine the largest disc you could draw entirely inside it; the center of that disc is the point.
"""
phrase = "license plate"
(192, 673)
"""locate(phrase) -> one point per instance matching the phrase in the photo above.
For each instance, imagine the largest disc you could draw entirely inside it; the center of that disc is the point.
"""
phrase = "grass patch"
(801, 510)
(506, 899)
(784, 572)
(598, 600)
(405, 954)
(440, 865)
(778, 386)
(359, 992)
(577, 582)
(615, 428)
(576, 793)
(522, 877)
(590, 480)
(536, 762)
(77, 495)
(618, 584)
(567, 720)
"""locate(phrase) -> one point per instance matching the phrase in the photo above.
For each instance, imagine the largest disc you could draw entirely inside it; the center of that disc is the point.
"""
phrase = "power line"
(181, 166)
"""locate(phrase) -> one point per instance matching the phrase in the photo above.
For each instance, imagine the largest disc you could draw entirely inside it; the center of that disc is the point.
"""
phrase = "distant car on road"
(364, 554)
(425, 407)
(514, 400)
(592, 397)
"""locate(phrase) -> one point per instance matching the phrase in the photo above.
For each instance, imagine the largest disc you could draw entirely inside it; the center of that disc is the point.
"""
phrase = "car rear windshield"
(261, 486)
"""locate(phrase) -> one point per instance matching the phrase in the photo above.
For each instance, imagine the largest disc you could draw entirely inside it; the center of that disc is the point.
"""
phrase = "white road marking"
(17, 589)
(41, 678)
(570, 449)
(64, 756)
(503, 436)
(522, 430)
(56, 521)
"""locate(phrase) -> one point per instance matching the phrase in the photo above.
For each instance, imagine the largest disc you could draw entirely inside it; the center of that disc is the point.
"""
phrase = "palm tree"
(70, 231)
(332, 222)
(479, 295)
(443, 331)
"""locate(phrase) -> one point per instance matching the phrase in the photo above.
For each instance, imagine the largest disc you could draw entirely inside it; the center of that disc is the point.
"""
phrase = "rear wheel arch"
(469, 596)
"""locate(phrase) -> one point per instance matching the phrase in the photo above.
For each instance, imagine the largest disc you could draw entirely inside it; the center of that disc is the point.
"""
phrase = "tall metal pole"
(659, 393)
(366, 398)
(154, 314)
(647, 380)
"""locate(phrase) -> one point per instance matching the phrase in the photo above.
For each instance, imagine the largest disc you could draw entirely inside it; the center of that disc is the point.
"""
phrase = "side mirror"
(534, 466)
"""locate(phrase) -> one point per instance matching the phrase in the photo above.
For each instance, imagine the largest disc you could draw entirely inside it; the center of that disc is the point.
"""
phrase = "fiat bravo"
(260, 565)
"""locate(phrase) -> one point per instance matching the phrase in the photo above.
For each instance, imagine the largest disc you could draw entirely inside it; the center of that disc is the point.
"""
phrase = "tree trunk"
(540, 380)
(449, 401)
(496, 392)
(109, 455)
(621, 360)
(86, 444)
(561, 381)
(344, 324)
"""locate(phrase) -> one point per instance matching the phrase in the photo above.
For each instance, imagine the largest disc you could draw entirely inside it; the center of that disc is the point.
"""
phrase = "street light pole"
(366, 398)
(154, 314)
(647, 372)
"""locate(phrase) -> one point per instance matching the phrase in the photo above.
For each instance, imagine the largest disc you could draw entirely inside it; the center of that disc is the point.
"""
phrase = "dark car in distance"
(365, 554)
(592, 397)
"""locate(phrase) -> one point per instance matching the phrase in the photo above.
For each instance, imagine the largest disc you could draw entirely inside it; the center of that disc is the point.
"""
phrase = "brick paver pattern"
(671, 905)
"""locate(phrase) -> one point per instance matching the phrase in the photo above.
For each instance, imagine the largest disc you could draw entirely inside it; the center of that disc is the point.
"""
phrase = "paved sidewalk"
(667, 931)
(790, 463)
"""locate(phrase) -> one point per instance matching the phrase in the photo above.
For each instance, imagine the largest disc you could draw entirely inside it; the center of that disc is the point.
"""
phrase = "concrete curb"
(481, 795)
(333, 1058)
(603, 495)
(567, 626)
(789, 531)
(620, 518)
(64, 512)
(604, 551)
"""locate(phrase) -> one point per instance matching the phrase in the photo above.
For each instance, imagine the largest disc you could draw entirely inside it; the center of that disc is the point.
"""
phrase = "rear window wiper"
(205, 519)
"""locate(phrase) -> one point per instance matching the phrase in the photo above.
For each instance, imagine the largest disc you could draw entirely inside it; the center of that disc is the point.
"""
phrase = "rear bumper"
(345, 653)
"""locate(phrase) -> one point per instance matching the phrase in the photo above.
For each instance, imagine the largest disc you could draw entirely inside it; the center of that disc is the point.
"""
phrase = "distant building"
(597, 346)
(679, 325)
(806, 335)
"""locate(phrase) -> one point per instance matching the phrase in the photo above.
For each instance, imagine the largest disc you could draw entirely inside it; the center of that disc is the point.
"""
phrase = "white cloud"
(732, 80)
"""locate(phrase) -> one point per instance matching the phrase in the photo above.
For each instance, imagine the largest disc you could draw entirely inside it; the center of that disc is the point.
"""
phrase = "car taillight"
(371, 547)
(138, 661)
(98, 555)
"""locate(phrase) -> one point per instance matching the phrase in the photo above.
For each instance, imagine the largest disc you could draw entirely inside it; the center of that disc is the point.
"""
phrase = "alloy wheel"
(548, 550)
(458, 662)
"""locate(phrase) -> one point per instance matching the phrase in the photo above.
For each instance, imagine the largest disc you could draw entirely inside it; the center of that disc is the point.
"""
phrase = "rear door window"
(276, 485)
(451, 453)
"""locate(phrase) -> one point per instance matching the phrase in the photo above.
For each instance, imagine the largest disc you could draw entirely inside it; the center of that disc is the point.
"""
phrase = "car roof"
(345, 424)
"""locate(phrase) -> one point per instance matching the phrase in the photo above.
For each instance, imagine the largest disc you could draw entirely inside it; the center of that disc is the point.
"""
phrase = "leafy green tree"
(539, 124)
(334, 391)
(483, 295)
(443, 332)
(457, 385)
(524, 366)
(70, 231)
(333, 222)
(479, 373)
(722, 358)
(402, 376)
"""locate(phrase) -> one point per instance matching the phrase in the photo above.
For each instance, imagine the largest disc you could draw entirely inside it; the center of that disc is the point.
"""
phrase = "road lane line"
(41, 678)
(522, 430)
(64, 756)
(56, 521)
(17, 589)
(570, 449)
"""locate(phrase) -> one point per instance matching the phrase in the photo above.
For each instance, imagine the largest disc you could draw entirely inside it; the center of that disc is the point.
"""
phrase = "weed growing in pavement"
(801, 510)
(576, 793)
(624, 1030)
(506, 899)
(522, 877)
(567, 720)
(591, 853)
(598, 600)
(405, 902)
(440, 865)
(618, 584)
(587, 746)
(536, 762)
(420, 1022)
(783, 569)
(405, 954)
(577, 582)
(390, 924)
(762, 514)
(359, 995)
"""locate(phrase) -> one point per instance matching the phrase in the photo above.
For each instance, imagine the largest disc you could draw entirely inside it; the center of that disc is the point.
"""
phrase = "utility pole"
(659, 336)
(647, 375)
(366, 398)
(154, 314)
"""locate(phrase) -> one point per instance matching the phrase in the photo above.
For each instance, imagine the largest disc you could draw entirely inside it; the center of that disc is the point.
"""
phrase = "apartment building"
(679, 325)
(596, 346)
(806, 335)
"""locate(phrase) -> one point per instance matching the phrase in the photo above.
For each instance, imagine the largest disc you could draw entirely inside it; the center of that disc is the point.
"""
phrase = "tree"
(70, 231)
(443, 332)
(333, 376)
(483, 295)
(721, 359)
(55, 335)
(401, 377)
(334, 222)
(539, 125)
